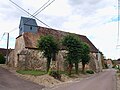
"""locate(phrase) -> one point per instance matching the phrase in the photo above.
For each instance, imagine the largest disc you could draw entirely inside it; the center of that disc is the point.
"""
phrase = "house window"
(30, 27)
(21, 29)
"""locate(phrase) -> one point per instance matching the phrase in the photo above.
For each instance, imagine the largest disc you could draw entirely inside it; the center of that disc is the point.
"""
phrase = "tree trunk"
(57, 65)
(76, 68)
(70, 68)
(48, 64)
(83, 67)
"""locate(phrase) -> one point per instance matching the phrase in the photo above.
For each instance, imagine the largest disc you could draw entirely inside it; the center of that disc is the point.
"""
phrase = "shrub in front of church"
(2, 59)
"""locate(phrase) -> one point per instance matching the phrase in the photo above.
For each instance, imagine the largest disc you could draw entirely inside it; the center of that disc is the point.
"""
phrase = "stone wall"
(11, 59)
(60, 59)
(95, 64)
(19, 46)
(32, 59)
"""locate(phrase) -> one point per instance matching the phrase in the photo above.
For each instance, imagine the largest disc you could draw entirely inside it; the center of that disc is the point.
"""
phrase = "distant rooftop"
(4, 51)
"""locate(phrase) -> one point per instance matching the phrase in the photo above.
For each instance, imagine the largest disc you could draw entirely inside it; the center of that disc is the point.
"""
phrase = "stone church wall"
(32, 59)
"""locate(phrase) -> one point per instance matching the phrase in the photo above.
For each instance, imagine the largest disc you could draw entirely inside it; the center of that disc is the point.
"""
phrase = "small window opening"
(30, 27)
(21, 29)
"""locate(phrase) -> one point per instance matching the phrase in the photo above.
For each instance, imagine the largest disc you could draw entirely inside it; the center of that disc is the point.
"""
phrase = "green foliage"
(90, 71)
(106, 67)
(118, 71)
(31, 72)
(2, 59)
(118, 67)
(85, 55)
(49, 46)
(73, 46)
(55, 74)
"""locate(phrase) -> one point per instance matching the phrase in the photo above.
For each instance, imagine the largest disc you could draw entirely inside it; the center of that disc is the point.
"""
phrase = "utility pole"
(7, 53)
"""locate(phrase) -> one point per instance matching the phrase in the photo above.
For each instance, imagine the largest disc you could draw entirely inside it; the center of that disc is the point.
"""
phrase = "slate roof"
(28, 21)
(31, 38)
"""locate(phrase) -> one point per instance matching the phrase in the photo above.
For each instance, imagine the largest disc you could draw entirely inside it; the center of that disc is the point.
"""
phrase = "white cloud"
(58, 8)
(96, 25)
(92, 18)
(105, 38)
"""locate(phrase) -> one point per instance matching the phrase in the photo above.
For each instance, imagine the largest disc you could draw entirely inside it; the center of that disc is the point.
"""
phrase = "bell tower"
(27, 25)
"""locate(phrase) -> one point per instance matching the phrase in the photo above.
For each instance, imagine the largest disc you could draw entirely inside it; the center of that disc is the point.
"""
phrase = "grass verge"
(31, 72)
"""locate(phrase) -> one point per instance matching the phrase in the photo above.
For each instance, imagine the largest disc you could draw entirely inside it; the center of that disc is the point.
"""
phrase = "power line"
(8, 32)
(13, 29)
(44, 7)
(7, 53)
(29, 13)
(41, 7)
(34, 14)
(2, 36)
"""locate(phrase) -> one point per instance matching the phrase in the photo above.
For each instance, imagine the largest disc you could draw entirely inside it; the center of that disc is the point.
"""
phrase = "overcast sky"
(97, 19)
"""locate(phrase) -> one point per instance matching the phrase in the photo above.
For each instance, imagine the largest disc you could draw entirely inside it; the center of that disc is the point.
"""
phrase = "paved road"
(8, 81)
(102, 81)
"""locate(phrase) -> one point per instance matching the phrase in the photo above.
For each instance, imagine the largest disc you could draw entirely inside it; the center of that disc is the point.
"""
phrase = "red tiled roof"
(31, 38)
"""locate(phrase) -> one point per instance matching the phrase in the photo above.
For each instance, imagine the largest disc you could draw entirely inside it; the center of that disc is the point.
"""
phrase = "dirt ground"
(105, 80)
(9, 81)
(47, 80)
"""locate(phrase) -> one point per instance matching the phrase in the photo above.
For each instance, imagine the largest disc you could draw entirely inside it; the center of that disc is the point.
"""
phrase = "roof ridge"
(60, 30)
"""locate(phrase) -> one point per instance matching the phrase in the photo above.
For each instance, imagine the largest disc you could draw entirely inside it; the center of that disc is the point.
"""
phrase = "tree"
(73, 47)
(85, 55)
(2, 59)
(48, 45)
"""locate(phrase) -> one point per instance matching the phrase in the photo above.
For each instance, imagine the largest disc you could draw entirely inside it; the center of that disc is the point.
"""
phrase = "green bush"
(118, 71)
(2, 59)
(55, 74)
(90, 71)
(114, 66)
(31, 72)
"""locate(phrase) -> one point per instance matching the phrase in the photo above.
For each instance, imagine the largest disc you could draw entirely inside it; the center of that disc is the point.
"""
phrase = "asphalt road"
(9, 81)
(102, 81)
